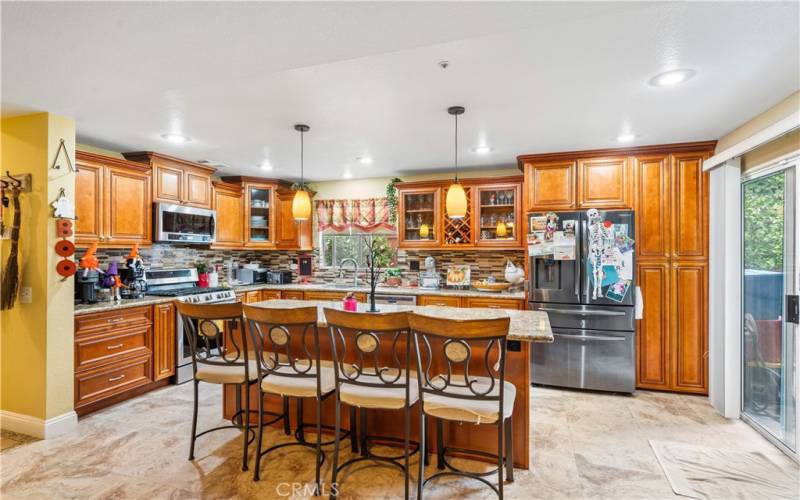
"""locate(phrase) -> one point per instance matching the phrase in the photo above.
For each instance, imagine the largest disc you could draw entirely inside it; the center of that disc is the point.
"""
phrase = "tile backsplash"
(482, 264)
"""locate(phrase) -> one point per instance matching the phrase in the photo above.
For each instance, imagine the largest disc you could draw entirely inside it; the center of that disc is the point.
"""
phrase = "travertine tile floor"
(583, 445)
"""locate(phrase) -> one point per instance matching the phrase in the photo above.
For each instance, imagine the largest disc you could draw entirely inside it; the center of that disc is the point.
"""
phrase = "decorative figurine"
(89, 261)
(113, 281)
(63, 206)
(514, 275)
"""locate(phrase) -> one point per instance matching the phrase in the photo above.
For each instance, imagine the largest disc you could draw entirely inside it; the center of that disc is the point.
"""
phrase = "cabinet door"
(689, 332)
(653, 330)
(690, 206)
(254, 296)
(197, 189)
(652, 207)
(128, 207)
(230, 218)
(270, 294)
(163, 341)
(167, 184)
(287, 229)
(550, 186)
(292, 295)
(439, 300)
(418, 218)
(604, 183)
(88, 204)
(259, 218)
(493, 303)
(498, 215)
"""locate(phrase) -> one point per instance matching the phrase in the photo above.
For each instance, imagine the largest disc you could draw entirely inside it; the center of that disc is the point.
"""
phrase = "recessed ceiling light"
(482, 150)
(674, 77)
(347, 174)
(626, 137)
(364, 160)
(176, 138)
(266, 165)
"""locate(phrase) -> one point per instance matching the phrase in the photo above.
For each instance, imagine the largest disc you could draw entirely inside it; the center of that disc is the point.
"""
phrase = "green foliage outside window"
(763, 202)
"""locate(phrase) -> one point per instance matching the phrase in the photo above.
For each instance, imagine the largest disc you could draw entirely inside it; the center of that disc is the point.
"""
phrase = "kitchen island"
(525, 328)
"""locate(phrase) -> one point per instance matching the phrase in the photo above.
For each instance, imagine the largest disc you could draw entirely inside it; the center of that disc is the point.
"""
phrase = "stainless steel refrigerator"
(594, 344)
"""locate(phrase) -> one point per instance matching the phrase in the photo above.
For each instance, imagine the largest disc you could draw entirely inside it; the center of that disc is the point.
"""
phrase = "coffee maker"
(86, 282)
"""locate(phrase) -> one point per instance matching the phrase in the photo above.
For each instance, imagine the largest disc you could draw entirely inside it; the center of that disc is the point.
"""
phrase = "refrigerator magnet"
(618, 290)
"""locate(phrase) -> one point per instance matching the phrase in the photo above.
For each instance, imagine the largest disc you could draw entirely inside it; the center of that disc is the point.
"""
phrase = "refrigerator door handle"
(582, 313)
(588, 337)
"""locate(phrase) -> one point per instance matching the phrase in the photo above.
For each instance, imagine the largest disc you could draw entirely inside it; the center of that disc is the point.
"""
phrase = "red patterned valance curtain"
(365, 216)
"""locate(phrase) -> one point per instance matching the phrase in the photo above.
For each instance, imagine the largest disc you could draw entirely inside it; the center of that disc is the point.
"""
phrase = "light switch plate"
(26, 295)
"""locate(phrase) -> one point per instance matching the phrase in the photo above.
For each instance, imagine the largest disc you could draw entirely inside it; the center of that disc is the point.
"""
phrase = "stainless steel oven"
(182, 224)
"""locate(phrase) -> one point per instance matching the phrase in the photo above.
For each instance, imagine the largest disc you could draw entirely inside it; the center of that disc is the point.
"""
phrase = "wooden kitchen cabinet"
(668, 191)
(494, 303)
(251, 297)
(113, 356)
(458, 233)
(163, 340)
(332, 296)
(418, 214)
(292, 295)
(498, 204)
(604, 183)
(177, 181)
(439, 300)
(259, 219)
(270, 294)
(550, 185)
(113, 202)
(229, 205)
(290, 234)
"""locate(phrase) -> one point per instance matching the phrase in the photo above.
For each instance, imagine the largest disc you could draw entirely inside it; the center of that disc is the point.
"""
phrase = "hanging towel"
(638, 310)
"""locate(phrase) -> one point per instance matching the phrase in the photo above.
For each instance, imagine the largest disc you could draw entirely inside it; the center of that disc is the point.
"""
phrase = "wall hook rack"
(20, 182)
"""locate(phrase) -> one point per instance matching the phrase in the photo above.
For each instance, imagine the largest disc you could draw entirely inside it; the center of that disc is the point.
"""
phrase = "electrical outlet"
(26, 295)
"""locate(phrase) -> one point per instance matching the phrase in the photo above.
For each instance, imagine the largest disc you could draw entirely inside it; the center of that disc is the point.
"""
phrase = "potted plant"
(391, 200)
(394, 276)
(202, 274)
(379, 256)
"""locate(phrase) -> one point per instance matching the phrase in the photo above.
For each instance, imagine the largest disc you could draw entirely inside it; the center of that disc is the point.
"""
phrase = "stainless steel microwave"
(182, 224)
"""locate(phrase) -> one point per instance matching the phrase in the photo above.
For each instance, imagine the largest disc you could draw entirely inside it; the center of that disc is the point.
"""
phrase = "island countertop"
(526, 326)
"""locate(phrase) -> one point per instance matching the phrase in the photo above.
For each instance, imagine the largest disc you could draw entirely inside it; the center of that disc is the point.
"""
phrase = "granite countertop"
(527, 326)
(151, 299)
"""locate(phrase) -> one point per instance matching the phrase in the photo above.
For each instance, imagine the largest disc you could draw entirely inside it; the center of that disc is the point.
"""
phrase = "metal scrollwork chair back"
(205, 327)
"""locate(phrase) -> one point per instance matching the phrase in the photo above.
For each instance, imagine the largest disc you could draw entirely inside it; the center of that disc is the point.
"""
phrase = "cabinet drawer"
(127, 318)
(333, 296)
(292, 294)
(90, 350)
(106, 381)
(437, 300)
(494, 303)
(270, 294)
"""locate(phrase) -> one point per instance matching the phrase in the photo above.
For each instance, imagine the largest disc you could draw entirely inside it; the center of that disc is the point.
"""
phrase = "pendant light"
(456, 201)
(301, 204)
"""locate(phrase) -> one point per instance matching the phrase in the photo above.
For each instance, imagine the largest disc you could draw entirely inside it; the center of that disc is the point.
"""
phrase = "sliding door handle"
(792, 309)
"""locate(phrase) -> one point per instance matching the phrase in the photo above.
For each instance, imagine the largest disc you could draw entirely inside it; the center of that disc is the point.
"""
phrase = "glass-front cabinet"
(418, 217)
(497, 214)
(260, 215)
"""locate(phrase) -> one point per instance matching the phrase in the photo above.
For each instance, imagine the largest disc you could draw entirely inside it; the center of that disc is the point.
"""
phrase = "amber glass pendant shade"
(456, 201)
(301, 205)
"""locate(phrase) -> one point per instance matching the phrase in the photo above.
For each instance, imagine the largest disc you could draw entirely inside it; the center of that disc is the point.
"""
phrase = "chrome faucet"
(355, 269)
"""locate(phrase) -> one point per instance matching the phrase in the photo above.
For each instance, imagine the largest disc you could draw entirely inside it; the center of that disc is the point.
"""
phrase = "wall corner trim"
(37, 427)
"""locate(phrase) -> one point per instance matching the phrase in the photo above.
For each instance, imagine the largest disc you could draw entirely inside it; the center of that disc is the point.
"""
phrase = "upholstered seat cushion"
(390, 398)
(470, 410)
(301, 387)
(225, 373)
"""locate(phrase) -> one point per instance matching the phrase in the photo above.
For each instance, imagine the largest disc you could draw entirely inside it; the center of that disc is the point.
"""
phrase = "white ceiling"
(534, 77)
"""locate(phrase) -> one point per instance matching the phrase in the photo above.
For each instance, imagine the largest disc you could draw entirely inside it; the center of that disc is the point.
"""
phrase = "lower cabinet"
(439, 300)
(122, 353)
(333, 296)
(270, 294)
(163, 341)
(292, 295)
(493, 303)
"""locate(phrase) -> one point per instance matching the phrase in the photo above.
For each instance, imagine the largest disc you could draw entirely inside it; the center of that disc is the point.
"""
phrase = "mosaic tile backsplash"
(482, 264)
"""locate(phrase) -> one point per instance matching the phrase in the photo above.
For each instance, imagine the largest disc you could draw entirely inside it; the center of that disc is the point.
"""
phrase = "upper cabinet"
(113, 202)
(494, 209)
(259, 221)
(177, 181)
(604, 183)
(418, 217)
(689, 206)
(229, 205)
(551, 185)
(290, 234)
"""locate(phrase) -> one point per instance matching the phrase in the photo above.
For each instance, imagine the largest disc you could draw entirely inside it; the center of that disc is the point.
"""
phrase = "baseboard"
(37, 427)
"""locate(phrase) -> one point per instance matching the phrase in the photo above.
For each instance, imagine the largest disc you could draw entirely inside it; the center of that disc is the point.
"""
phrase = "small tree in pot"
(380, 254)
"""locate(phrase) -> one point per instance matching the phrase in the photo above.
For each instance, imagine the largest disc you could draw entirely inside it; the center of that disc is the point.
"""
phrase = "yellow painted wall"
(36, 342)
(376, 187)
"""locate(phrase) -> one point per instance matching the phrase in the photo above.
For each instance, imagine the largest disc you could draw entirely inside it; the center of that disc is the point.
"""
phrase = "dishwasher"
(396, 299)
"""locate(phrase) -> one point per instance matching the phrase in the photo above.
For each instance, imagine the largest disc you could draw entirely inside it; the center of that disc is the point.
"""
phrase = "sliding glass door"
(770, 281)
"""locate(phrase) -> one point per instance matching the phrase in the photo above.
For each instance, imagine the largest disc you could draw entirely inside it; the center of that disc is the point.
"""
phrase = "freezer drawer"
(585, 317)
(586, 359)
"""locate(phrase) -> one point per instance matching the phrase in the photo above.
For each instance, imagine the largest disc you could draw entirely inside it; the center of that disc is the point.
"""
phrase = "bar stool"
(217, 360)
(467, 388)
(366, 381)
(290, 368)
